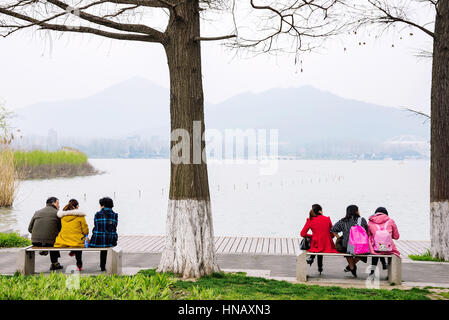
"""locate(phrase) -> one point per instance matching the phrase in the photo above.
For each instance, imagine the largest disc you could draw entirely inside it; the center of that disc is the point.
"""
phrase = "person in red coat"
(321, 237)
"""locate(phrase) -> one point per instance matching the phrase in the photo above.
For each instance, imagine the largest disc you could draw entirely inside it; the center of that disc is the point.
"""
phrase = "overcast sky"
(34, 69)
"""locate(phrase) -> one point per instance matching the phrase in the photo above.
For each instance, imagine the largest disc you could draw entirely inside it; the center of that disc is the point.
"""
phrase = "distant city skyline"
(403, 147)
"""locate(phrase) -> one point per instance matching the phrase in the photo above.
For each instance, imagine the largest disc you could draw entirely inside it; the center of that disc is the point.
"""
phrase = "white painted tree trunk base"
(189, 245)
(439, 229)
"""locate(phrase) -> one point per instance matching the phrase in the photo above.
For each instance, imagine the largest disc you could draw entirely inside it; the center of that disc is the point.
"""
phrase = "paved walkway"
(268, 257)
(270, 266)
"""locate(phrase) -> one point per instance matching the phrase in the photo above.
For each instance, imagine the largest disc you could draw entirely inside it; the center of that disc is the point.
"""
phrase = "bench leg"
(301, 267)
(395, 270)
(114, 261)
(25, 262)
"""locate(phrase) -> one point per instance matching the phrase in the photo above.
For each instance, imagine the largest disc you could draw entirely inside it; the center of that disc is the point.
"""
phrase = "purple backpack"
(382, 240)
(358, 239)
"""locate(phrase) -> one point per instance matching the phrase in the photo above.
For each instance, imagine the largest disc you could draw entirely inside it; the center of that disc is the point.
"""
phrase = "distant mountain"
(303, 115)
(308, 115)
(115, 112)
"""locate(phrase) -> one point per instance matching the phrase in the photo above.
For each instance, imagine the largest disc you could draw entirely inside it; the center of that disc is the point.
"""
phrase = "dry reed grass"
(8, 183)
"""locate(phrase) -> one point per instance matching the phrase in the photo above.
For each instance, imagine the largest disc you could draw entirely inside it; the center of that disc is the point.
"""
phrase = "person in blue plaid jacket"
(104, 234)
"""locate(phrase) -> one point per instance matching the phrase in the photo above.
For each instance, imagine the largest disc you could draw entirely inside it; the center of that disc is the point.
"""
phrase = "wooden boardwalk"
(250, 245)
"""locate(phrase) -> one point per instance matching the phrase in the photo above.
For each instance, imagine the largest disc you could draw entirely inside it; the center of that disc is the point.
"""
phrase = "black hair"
(351, 212)
(106, 202)
(316, 208)
(51, 200)
(381, 210)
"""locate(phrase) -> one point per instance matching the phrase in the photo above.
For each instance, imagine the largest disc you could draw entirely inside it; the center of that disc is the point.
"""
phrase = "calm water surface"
(244, 202)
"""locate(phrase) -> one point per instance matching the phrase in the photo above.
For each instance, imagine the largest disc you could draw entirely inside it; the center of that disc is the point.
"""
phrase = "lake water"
(244, 202)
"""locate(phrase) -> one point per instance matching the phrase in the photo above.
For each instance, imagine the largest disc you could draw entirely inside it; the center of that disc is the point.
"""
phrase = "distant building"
(411, 146)
(69, 149)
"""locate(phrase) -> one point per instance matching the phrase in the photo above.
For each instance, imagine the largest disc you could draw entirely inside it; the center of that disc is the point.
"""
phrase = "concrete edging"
(424, 262)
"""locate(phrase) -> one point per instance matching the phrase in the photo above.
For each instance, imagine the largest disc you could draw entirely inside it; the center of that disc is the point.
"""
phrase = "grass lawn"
(148, 284)
(13, 240)
(444, 295)
(425, 257)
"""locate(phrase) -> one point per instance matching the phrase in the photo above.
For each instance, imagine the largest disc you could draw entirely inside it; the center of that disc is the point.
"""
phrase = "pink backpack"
(358, 240)
(382, 240)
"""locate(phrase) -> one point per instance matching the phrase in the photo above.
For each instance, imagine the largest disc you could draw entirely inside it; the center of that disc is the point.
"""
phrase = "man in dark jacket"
(44, 228)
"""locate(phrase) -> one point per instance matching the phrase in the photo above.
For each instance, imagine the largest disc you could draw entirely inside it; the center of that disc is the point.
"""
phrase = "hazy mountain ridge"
(111, 113)
(308, 115)
(304, 116)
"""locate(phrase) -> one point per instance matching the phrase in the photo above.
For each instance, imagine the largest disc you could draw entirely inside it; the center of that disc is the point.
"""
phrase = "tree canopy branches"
(390, 12)
(56, 15)
(310, 21)
(258, 25)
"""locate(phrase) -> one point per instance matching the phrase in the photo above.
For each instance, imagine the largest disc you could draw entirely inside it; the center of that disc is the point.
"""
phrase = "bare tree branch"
(419, 113)
(144, 3)
(305, 20)
(215, 38)
(424, 54)
(390, 18)
(134, 32)
(120, 11)
(387, 12)
(137, 28)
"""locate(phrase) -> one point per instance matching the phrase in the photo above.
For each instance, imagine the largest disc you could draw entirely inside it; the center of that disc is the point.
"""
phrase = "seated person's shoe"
(103, 268)
(80, 267)
(347, 269)
(56, 266)
(354, 271)
(43, 253)
(310, 260)
(71, 253)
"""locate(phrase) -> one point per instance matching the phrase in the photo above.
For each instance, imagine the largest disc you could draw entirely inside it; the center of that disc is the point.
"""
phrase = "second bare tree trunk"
(439, 176)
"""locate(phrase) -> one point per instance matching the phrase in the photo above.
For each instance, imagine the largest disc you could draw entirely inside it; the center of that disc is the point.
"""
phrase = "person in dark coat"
(104, 234)
(344, 226)
(44, 228)
(321, 237)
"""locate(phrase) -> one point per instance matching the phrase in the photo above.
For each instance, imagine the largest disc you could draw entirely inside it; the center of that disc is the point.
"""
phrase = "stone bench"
(25, 262)
(394, 268)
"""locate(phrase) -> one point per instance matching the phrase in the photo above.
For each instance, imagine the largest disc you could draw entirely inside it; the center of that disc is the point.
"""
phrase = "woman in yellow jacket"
(74, 229)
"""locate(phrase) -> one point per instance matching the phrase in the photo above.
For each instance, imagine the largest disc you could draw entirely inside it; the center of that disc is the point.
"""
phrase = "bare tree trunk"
(439, 176)
(189, 249)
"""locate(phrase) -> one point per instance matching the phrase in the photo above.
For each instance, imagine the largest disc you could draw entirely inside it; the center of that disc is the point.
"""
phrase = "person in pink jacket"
(380, 221)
